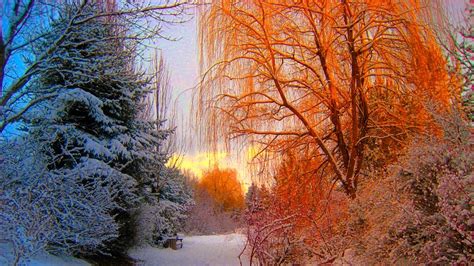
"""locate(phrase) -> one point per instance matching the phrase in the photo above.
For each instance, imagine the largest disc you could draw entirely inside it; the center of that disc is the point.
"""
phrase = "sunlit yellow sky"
(198, 163)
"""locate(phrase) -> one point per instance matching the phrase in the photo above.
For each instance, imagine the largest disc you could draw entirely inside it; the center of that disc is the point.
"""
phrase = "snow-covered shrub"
(366, 231)
(158, 222)
(22, 223)
(271, 233)
(455, 203)
(175, 200)
(417, 210)
(207, 217)
(164, 218)
(438, 226)
(58, 211)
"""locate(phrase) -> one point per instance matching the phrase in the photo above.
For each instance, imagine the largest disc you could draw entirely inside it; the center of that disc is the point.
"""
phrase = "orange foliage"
(223, 187)
(298, 190)
(316, 201)
(298, 217)
(332, 76)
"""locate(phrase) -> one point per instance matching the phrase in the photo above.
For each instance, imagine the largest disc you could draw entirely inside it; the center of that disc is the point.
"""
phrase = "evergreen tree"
(92, 124)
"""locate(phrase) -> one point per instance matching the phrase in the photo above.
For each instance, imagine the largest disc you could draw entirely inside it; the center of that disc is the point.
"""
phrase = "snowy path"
(197, 250)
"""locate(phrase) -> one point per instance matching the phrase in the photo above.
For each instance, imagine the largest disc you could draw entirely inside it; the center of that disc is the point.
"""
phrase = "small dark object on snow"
(175, 243)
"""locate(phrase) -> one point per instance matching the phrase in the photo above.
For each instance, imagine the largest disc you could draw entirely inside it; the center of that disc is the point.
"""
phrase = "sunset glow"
(200, 162)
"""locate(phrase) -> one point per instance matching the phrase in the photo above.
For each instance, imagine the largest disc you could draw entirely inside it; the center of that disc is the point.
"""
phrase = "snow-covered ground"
(197, 250)
(41, 259)
(50, 260)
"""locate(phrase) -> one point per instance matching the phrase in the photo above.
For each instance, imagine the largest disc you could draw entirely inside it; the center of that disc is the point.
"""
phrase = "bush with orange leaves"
(223, 187)
(294, 220)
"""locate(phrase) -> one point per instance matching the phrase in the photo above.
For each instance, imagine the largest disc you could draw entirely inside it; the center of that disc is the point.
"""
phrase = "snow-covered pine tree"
(92, 123)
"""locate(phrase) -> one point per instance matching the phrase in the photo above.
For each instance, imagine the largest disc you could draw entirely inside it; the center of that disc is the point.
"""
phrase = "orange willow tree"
(334, 76)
